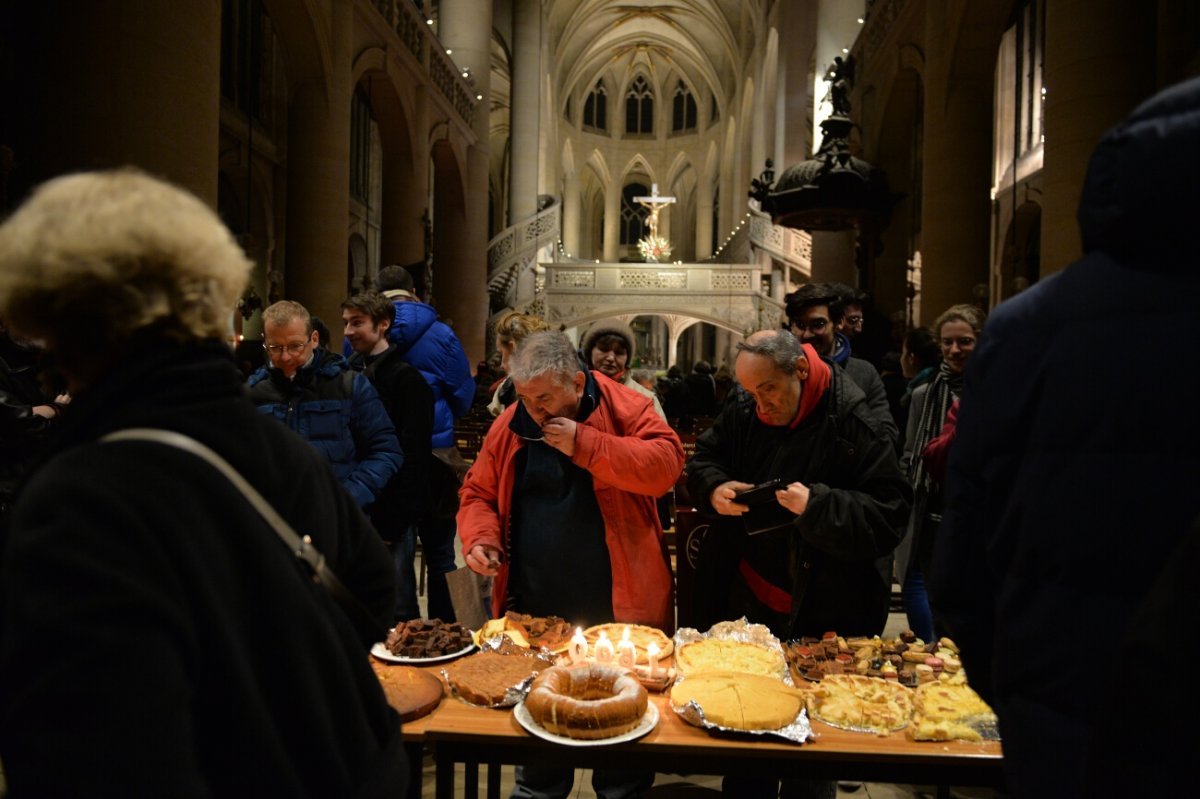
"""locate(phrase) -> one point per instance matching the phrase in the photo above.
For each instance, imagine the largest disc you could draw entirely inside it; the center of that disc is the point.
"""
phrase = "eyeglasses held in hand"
(293, 349)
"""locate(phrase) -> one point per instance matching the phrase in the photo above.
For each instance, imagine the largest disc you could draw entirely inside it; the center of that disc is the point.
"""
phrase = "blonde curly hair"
(93, 257)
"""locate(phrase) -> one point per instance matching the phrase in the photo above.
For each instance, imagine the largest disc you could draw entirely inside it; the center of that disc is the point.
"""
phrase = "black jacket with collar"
(826, 557)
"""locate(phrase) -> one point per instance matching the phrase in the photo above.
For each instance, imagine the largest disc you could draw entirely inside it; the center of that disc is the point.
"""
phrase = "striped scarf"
(943, 390)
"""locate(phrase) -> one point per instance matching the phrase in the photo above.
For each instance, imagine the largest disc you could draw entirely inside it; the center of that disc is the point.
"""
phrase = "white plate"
(648, 722)
(381, 651)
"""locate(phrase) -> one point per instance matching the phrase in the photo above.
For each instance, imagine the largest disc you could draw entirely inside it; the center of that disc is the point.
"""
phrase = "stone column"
(1100, 63)
(405, 194)
(465, 27)
(612, 222)
(102, 85)
(833, 257)
(570, 215)
(704, 217)
(526, 82)
(318, 199)
(723, 354)
(956, 207)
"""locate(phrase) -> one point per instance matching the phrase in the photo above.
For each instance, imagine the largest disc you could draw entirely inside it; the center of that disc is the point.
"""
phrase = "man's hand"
(722, 498)
(794, 497)
(560, 434)
(484, 559)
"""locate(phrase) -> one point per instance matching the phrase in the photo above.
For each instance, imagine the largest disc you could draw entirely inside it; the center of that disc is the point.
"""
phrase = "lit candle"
(578, 647)
(604, 650)
(626, 651)
(652, 653)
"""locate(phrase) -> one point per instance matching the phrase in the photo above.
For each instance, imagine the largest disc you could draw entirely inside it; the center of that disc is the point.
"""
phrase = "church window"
(633, 214)
(683, 110)
(639, 107)
(595, 109)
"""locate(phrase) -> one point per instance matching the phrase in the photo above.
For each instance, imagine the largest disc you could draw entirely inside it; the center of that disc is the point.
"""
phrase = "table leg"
(444, 776)
(493, 780)
(471, 778)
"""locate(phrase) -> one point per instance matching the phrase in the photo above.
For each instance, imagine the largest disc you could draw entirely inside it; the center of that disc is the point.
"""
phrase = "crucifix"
(654, 204)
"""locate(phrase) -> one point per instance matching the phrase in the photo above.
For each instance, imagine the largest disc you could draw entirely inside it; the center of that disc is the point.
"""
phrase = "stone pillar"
(318, 199)
(612, 223)
(797, 25)
(833, 257)
(405, 194)
(103, 85)
(465, 27)
(570, 215)
(723, 355)
(956, 207)
(704, 217)
(526, 82)
(1099, 65)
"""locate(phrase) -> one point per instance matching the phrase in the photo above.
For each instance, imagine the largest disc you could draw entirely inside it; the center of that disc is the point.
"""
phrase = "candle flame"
(625, 635)
(652, 649)
(603, 635)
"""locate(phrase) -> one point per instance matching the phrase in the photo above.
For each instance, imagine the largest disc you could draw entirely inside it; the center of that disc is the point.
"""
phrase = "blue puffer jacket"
(430, 346)
(338, 411)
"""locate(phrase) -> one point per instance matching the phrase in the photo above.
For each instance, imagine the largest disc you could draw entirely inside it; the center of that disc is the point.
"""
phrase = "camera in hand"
(763, 492)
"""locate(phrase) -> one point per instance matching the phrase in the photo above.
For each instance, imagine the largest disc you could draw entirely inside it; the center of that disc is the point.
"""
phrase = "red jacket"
(633, 457)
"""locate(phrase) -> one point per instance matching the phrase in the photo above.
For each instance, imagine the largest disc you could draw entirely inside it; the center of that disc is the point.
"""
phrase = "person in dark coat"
(701, 391)
(315, 393)
(434, 350)
(1073, 476)
(814, 312)
(158, 638)
(408, 401)
(810, 567)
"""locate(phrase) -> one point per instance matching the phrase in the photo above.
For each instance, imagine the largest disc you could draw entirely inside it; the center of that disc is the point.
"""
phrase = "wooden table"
(462, 733)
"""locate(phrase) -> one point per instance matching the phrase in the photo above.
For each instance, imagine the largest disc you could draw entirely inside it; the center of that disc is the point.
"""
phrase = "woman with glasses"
(956, 332)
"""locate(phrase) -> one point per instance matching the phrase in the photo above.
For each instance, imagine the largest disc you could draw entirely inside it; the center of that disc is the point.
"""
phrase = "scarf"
(820, 375)
(841, 349)
(943, 390)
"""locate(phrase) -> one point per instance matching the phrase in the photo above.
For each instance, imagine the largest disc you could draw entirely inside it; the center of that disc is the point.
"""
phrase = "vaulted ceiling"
(706, 42)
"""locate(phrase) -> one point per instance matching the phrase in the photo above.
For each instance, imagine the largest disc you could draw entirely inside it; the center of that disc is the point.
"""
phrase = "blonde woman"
(511, 328)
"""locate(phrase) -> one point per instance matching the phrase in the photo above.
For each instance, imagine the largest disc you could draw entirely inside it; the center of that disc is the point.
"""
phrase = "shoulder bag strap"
(301, 547)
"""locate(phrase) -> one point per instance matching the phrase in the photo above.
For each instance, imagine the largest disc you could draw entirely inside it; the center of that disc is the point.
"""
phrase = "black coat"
(825, 558)
(1075, 469)
(408, 400)
(158, 639)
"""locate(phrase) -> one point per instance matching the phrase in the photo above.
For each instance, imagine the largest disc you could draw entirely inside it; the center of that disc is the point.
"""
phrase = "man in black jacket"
(158, 637)
(408, 400)
(803, 560)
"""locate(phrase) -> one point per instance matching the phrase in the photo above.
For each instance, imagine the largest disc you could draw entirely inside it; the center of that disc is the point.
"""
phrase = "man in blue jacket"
(432, 348)
(315, 393)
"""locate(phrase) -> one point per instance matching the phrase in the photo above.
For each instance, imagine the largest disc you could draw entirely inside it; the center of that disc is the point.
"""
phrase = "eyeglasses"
(293, 349)
(963, 343)
(854, 320)
(812, 325)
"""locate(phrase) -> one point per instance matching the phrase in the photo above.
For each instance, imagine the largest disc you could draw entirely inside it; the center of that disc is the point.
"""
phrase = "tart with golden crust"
(641, 636)
(724, 655)
(944, 711)
(854, 702)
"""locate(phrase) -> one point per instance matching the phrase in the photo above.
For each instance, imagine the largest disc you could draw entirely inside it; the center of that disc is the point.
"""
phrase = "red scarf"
(811, 389)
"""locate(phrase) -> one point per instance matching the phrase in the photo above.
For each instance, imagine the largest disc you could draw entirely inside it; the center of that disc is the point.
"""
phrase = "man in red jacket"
(560, 508)
(559, 505)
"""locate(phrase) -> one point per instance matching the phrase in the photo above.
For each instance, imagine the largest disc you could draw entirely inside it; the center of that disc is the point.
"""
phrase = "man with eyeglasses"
(815, 311)
(315, 393)
(852, 310)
